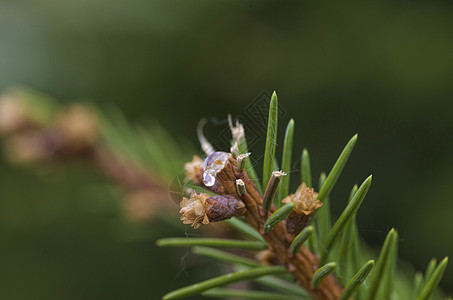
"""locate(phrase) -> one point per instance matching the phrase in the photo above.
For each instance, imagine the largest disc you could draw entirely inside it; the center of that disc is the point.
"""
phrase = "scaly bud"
(305, 204)
(194, 209)
(202, 209)
(194, 170)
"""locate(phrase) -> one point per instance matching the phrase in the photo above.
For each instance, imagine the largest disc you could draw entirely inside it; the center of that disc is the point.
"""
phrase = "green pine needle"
(249, 168)
(283, 286)
(211, 242)
(391, 269)
(357, 280)
(348, 258)
(271, 140)
(378, 277)
(245, 229)
(345, 264)
(355, 254)
(305, 168)
(322, 273)
(321, 236)
(286, 162)
(246, 294)
(430, 269)
(322, 216)
(434, 280)
(223, 280)
(353, 191)
(345, 216)
(337, 169)
(224, 256)
(278, 216)
(418, 284)
(284, 283)
(300, 239)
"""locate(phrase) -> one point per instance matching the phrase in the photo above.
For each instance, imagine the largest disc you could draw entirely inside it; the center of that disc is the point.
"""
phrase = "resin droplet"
(212, 165)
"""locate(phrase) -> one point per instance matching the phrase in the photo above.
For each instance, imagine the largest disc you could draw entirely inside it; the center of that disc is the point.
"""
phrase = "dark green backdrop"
(383, 69)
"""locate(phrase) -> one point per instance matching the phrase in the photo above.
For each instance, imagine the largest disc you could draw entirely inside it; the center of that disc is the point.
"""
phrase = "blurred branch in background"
(382, 69)
(37, 130)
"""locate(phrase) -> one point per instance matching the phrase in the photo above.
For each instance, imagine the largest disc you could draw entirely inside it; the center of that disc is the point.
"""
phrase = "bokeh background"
(383, 69)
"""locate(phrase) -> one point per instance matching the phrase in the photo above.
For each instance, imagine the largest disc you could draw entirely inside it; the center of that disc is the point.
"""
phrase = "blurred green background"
(382, 69)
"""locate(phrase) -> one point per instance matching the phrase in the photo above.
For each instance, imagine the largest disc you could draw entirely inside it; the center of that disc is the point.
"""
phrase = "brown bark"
(303, 264)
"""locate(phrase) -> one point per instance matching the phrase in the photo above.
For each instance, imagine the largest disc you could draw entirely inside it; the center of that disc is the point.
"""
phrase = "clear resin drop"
(212, 165)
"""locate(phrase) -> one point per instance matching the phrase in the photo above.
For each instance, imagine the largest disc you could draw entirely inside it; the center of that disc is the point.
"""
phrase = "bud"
(13, 114)
(78, 126)
(22, 109)
(305, 204)
(224, 207)
(194, 170)
(268, 258)
(194, 209)
(202, 209)
(29, 147)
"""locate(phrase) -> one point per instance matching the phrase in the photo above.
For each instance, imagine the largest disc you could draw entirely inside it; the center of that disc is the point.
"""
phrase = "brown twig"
(303, 264)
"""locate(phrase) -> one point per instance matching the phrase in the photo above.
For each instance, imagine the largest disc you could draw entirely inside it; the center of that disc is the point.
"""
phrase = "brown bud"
(194, 210)
(13, 114)
(267, 257)
(202, 209)
(221, 208)
(194, 170)
(295, 223)
(305, 204)
(304, 200)
(78, 126)
(22, 109)
(32, 146)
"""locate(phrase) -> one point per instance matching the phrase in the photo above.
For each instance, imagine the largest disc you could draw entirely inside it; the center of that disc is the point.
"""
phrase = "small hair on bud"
(240, 186)
(278, 173)
(205, 145)
(236, 131)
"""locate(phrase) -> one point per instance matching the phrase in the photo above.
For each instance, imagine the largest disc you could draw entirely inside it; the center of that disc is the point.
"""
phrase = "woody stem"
(303, 264)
